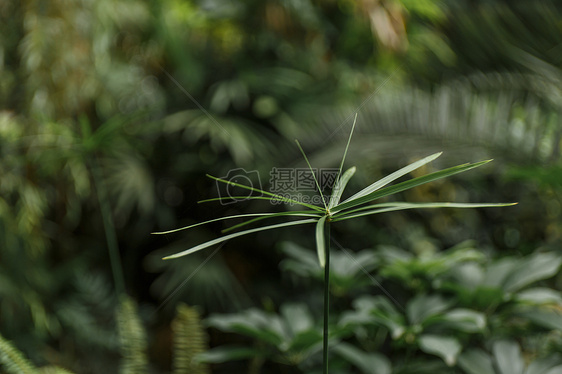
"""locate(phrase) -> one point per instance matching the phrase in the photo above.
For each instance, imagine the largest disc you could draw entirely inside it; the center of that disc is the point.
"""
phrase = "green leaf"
(340, 186)
(553, 370)
(214, 220)
(253, 323)
(508, 357)
(476, 361)
(391, 207)
(443, 346)
(300, 261)
(298, 317)
(275, 196)
(545, 318)
(539, 295)
(499, 271)
(306, 342)
(422, 307)
(302, 213)
(376, 310)
(460, 319)
(407, 185)
(224, 354)
(368, 363)
(538, 266)
(347, 146)
(547, 365)
(320, 244)
(227, 237)
(280, 199)
(392, 177)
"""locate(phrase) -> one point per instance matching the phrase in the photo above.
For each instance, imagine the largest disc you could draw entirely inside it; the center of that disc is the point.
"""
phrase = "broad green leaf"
(392, 177)
(547, 365)
(320, 244)
(447, 348)
(297, 317)
(543, 317)
(499, 271)
(508, 357)
(302, 213)
(367, 362)
(422, 307)
(465, 320)
(406, 185)
(531, 269)
(539, 295)
(300, 261)
(476, 361)
(225, 354)
(376, 310)
(253, 323)
(392, 207)
(340, 186)
(227, 237)
(306, 342)
(554, 370)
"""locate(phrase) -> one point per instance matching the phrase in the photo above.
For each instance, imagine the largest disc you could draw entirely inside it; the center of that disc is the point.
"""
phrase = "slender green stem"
(109, 228)
(326, 296)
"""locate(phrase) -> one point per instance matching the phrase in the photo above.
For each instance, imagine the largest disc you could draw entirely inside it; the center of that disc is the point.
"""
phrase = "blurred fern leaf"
(133, 339)
(190, 340)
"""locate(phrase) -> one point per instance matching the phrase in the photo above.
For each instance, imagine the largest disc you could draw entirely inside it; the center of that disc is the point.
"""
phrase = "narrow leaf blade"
(407, 185)
(209, 221)
(274, 196)
(346, 147)
(385, 207)
(227, 237)
(340, 187)
(302, 213)
(391, 207)
(392, 177)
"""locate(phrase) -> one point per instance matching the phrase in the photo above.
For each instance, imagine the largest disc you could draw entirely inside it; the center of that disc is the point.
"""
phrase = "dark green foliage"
(87, 89)
(440, 305)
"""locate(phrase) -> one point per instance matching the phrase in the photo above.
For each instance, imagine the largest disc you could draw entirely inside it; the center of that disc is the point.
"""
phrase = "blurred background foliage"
(112, 111)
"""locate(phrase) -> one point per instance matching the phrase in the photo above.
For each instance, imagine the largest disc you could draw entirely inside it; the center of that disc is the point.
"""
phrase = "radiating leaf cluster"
(357, 205)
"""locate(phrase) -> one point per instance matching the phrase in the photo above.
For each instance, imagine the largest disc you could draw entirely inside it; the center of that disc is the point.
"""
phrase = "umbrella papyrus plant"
(334, 210)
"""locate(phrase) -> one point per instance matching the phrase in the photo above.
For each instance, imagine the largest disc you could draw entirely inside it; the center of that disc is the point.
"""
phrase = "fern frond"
(189, 340)
(13, 361)
(132, 337)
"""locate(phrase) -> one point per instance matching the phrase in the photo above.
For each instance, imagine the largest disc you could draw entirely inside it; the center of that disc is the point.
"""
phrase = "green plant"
(133, 338)
(14, 362)
(507, 358)
(190, 340)
(333, 211)
(425, 324)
